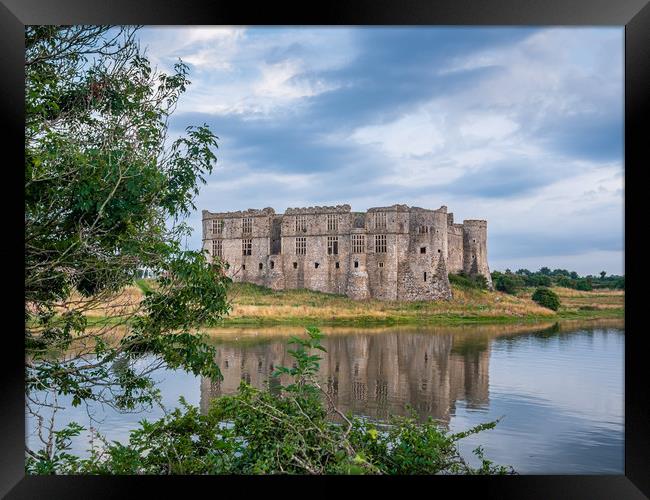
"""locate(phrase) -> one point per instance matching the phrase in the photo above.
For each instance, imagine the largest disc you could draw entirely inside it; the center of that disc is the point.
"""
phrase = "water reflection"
(379, 374)
(559, 387)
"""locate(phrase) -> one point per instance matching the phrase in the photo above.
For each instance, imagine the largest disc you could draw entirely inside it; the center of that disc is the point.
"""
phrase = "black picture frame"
(633, 14)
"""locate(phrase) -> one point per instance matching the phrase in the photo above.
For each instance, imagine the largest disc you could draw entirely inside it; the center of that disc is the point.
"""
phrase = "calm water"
(559, 390)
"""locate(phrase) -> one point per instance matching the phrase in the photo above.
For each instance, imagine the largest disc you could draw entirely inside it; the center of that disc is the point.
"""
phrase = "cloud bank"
(520, 126)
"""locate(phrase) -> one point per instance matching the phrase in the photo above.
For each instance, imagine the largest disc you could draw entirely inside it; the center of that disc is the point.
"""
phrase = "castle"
(390, 253)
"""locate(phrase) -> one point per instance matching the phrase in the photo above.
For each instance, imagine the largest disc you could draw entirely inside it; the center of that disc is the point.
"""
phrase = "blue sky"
(519, 126)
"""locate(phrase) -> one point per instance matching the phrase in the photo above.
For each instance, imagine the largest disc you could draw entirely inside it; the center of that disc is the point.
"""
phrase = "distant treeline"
(510, 282)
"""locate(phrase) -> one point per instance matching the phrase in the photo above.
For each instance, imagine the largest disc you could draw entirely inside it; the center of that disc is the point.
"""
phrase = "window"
(301, 245)
(261, 266)
(217, 248)
(272, 264)
(423, 249)
(438, 250)
(243, 267)
(247, 225)
(358, 243)
(356, 263)
(247, 246)
(295, 265)
(381, 264)
(316, 265)
(425, 275)
(332, 245)
(217, 226)
(380, 220)
(423, 229)
(332, 222)
(380, 243)
(337, 265)
(301, 223)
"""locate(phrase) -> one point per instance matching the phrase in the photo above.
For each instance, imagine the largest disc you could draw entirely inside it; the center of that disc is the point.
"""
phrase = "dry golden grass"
(252, 303)
(593, 300)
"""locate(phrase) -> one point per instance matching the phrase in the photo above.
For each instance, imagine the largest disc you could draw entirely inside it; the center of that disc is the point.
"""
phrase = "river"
(558, 388)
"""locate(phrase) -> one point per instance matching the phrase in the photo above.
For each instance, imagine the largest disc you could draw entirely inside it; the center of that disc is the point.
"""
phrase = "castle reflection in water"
(375, 375)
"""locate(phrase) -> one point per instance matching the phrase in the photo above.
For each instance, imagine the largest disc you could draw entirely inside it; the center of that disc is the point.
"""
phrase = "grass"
(253, 305)
(256, 305)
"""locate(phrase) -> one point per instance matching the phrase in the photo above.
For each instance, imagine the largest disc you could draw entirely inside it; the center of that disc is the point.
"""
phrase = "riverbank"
(259, 306)
(254, 305)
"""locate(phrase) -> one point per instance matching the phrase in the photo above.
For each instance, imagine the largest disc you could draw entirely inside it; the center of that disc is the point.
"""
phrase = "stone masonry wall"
(406, 251)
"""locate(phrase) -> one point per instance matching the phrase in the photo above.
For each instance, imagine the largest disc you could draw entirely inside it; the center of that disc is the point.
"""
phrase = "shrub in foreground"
(259, 432)
(546, 297)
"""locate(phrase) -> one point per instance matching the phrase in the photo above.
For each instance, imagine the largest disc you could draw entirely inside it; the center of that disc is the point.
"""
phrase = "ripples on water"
(559, 391)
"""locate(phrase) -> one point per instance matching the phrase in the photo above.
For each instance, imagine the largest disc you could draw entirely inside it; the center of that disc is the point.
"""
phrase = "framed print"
(366, 239)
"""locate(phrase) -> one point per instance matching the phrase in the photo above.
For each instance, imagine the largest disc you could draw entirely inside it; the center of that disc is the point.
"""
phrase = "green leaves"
(101, 184)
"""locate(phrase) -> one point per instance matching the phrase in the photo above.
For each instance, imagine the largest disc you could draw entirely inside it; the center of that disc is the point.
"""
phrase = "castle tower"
(475, 249)
(358, 287)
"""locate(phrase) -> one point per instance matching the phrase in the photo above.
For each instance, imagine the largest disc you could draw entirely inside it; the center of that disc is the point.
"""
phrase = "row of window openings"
(301, 224)
(332, 222)
(219, 224)
(424, 250)
(301, 245)
(337, 265)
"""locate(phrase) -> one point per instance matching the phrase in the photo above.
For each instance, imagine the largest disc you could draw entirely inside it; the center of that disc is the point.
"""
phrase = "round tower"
(475, 249)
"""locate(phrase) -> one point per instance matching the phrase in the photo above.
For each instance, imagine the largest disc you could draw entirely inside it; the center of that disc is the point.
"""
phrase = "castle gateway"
(389, 253)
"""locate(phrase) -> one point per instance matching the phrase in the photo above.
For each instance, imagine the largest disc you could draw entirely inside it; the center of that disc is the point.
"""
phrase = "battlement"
(251, 212)
(475, 222)
(318, 210)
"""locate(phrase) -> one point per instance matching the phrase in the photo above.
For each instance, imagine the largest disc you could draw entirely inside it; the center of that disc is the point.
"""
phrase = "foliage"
(546, 297)
(297, 430)
(462, 280)
(106, 192)
(507, 282)
(568, 279)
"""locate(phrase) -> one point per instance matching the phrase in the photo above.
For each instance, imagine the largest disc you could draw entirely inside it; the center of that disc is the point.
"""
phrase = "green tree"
(507, 282)
(603, 274)
(106, 192)
(546, 297)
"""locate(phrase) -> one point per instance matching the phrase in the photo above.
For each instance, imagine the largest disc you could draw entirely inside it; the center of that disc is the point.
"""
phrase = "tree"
(584, 285)
(507, 282)
(546, 297)
(603, 274)
(106, 192)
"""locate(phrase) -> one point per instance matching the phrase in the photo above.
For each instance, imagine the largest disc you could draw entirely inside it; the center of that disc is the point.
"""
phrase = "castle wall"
(407, 252)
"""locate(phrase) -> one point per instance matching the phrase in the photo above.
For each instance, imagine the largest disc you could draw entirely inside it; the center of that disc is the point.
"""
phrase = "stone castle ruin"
(389, 253)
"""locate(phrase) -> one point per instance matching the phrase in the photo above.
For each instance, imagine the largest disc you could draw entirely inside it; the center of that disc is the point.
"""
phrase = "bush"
(584, 285)
(463, 281)
(263, 432)
(546, 297)
(508, 282)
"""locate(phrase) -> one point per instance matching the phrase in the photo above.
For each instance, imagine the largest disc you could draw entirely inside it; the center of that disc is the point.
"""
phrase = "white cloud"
(551, 76)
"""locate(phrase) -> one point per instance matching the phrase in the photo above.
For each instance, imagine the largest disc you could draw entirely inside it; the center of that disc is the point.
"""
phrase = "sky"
(520, 126)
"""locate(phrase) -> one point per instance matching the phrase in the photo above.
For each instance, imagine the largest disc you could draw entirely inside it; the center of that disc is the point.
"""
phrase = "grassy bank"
(254, 305)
